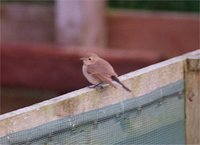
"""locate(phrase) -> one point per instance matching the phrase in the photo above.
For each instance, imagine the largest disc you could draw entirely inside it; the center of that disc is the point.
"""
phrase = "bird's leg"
(92, 86)
(97, 86)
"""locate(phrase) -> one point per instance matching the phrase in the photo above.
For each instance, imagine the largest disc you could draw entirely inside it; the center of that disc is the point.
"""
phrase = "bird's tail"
(117, 80)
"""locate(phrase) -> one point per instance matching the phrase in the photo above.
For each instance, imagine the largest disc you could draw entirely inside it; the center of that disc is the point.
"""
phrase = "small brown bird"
(98, 71)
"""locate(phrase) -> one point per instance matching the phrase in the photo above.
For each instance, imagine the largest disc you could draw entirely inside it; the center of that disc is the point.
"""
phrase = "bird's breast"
(90, 77)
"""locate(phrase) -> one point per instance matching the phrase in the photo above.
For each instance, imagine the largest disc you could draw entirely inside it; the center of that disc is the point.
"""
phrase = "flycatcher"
(98, 71)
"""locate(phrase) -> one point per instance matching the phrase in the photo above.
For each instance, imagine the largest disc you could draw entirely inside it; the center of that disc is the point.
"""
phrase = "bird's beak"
(82, 58)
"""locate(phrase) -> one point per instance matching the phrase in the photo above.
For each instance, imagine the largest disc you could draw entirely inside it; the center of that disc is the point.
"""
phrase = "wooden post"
(192, 100)
(80, 22)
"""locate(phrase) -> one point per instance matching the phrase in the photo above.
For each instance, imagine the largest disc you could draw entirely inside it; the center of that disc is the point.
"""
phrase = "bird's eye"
(89, 58)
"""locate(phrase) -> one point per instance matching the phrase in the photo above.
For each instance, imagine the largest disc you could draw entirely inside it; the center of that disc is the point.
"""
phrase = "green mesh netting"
(155, 118)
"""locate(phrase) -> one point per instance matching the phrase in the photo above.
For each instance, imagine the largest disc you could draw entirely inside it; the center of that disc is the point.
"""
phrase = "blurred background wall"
(156, 25)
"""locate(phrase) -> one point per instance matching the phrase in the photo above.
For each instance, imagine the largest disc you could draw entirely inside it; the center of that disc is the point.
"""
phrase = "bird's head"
(89, 58)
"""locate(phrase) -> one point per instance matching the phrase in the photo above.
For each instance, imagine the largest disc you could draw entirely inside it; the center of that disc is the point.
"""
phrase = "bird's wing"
(101, 67)
(102, 70)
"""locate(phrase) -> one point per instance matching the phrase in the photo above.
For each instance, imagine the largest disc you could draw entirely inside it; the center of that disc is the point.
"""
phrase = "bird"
(99, 71)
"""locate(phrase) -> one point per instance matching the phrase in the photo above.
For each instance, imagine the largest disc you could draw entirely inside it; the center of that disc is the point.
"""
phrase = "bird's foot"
(97, 86)
(92, 86)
